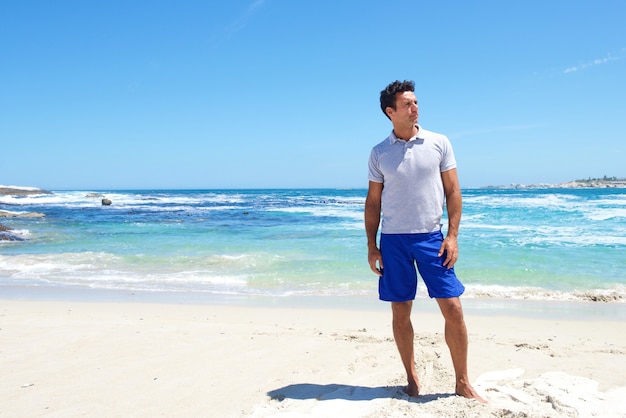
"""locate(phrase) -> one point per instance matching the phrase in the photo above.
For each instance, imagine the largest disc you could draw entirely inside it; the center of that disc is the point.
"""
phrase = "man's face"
(406, 112)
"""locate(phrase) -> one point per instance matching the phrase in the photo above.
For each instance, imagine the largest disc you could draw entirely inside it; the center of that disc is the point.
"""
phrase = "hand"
(450, 248)
(373, 257)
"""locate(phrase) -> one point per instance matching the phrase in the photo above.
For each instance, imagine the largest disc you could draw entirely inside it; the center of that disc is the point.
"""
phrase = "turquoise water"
(563, 244)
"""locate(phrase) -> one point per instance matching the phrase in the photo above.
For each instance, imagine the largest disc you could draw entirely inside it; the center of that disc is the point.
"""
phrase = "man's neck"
(405, 133)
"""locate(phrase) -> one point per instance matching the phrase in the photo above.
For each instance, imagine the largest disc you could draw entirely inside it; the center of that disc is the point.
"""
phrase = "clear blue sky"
(284, 93)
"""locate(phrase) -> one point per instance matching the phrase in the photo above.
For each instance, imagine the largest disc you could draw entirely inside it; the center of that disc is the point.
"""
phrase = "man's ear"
(389, 111)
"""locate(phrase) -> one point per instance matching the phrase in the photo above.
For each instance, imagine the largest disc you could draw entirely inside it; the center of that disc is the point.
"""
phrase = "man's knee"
(451, 309)
(401, 311)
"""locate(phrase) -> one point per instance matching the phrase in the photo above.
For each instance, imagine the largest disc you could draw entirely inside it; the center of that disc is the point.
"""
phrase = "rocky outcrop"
(106, 202)
(7, 235)
(21, 191)
(578, 184)
(5, 214)
(574, 184)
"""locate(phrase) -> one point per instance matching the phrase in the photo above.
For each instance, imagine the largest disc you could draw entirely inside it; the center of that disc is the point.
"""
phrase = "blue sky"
(284, 93)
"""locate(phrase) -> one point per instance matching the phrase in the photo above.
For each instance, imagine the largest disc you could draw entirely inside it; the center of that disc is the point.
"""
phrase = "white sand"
(65, 359)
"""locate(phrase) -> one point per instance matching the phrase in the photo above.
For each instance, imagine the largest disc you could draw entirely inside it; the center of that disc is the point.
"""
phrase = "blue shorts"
(401, 252)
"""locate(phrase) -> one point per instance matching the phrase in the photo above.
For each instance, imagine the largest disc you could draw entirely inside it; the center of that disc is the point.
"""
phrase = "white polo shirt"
(413, 195)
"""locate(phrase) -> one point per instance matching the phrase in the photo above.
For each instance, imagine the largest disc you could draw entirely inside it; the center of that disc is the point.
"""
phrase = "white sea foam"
(602, 214)
(550, 201)
(124, 199)
(470, 224)
(47, 199)
(575, 238)
(233, 274)
(615, 294)
(108, 271)
(13, 212)
(22, 233)
(322, 211)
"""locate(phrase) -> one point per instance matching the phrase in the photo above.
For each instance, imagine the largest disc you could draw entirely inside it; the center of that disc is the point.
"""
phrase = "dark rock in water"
(21, 191)
(106, 202)
(6, 235)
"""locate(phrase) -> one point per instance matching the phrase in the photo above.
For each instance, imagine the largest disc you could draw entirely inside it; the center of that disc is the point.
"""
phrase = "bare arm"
(454, 207)
(373, 204)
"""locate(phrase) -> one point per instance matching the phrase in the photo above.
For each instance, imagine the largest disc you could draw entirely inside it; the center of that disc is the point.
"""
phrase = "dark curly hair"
(388, 95)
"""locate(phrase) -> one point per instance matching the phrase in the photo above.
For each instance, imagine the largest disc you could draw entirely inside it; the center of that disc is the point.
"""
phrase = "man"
(411, 174)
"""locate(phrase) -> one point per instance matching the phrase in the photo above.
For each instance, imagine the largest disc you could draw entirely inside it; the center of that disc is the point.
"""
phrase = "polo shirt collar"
(393, 138)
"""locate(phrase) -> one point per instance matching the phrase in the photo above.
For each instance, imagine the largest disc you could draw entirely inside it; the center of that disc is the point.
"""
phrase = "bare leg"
(456, 338)
(404, 335)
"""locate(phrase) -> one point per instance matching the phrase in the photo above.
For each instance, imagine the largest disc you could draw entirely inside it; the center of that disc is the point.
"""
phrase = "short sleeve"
(375, 174)
(448, 161)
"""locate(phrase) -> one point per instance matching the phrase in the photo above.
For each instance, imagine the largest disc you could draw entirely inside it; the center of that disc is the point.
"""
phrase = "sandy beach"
(105, 359)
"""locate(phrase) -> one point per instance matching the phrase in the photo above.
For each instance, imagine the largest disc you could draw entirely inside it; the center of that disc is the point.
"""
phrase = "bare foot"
(412, 389)
(468, 392)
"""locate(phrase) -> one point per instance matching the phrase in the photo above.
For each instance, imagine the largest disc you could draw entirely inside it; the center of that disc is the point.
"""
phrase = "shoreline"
(553, 309)
(147, 358)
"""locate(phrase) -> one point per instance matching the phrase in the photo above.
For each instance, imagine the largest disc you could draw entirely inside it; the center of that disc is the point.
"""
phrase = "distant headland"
(21, 191)
(599, 183)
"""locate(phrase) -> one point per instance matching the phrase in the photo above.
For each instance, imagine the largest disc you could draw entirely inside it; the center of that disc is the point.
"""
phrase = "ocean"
(526, 244)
